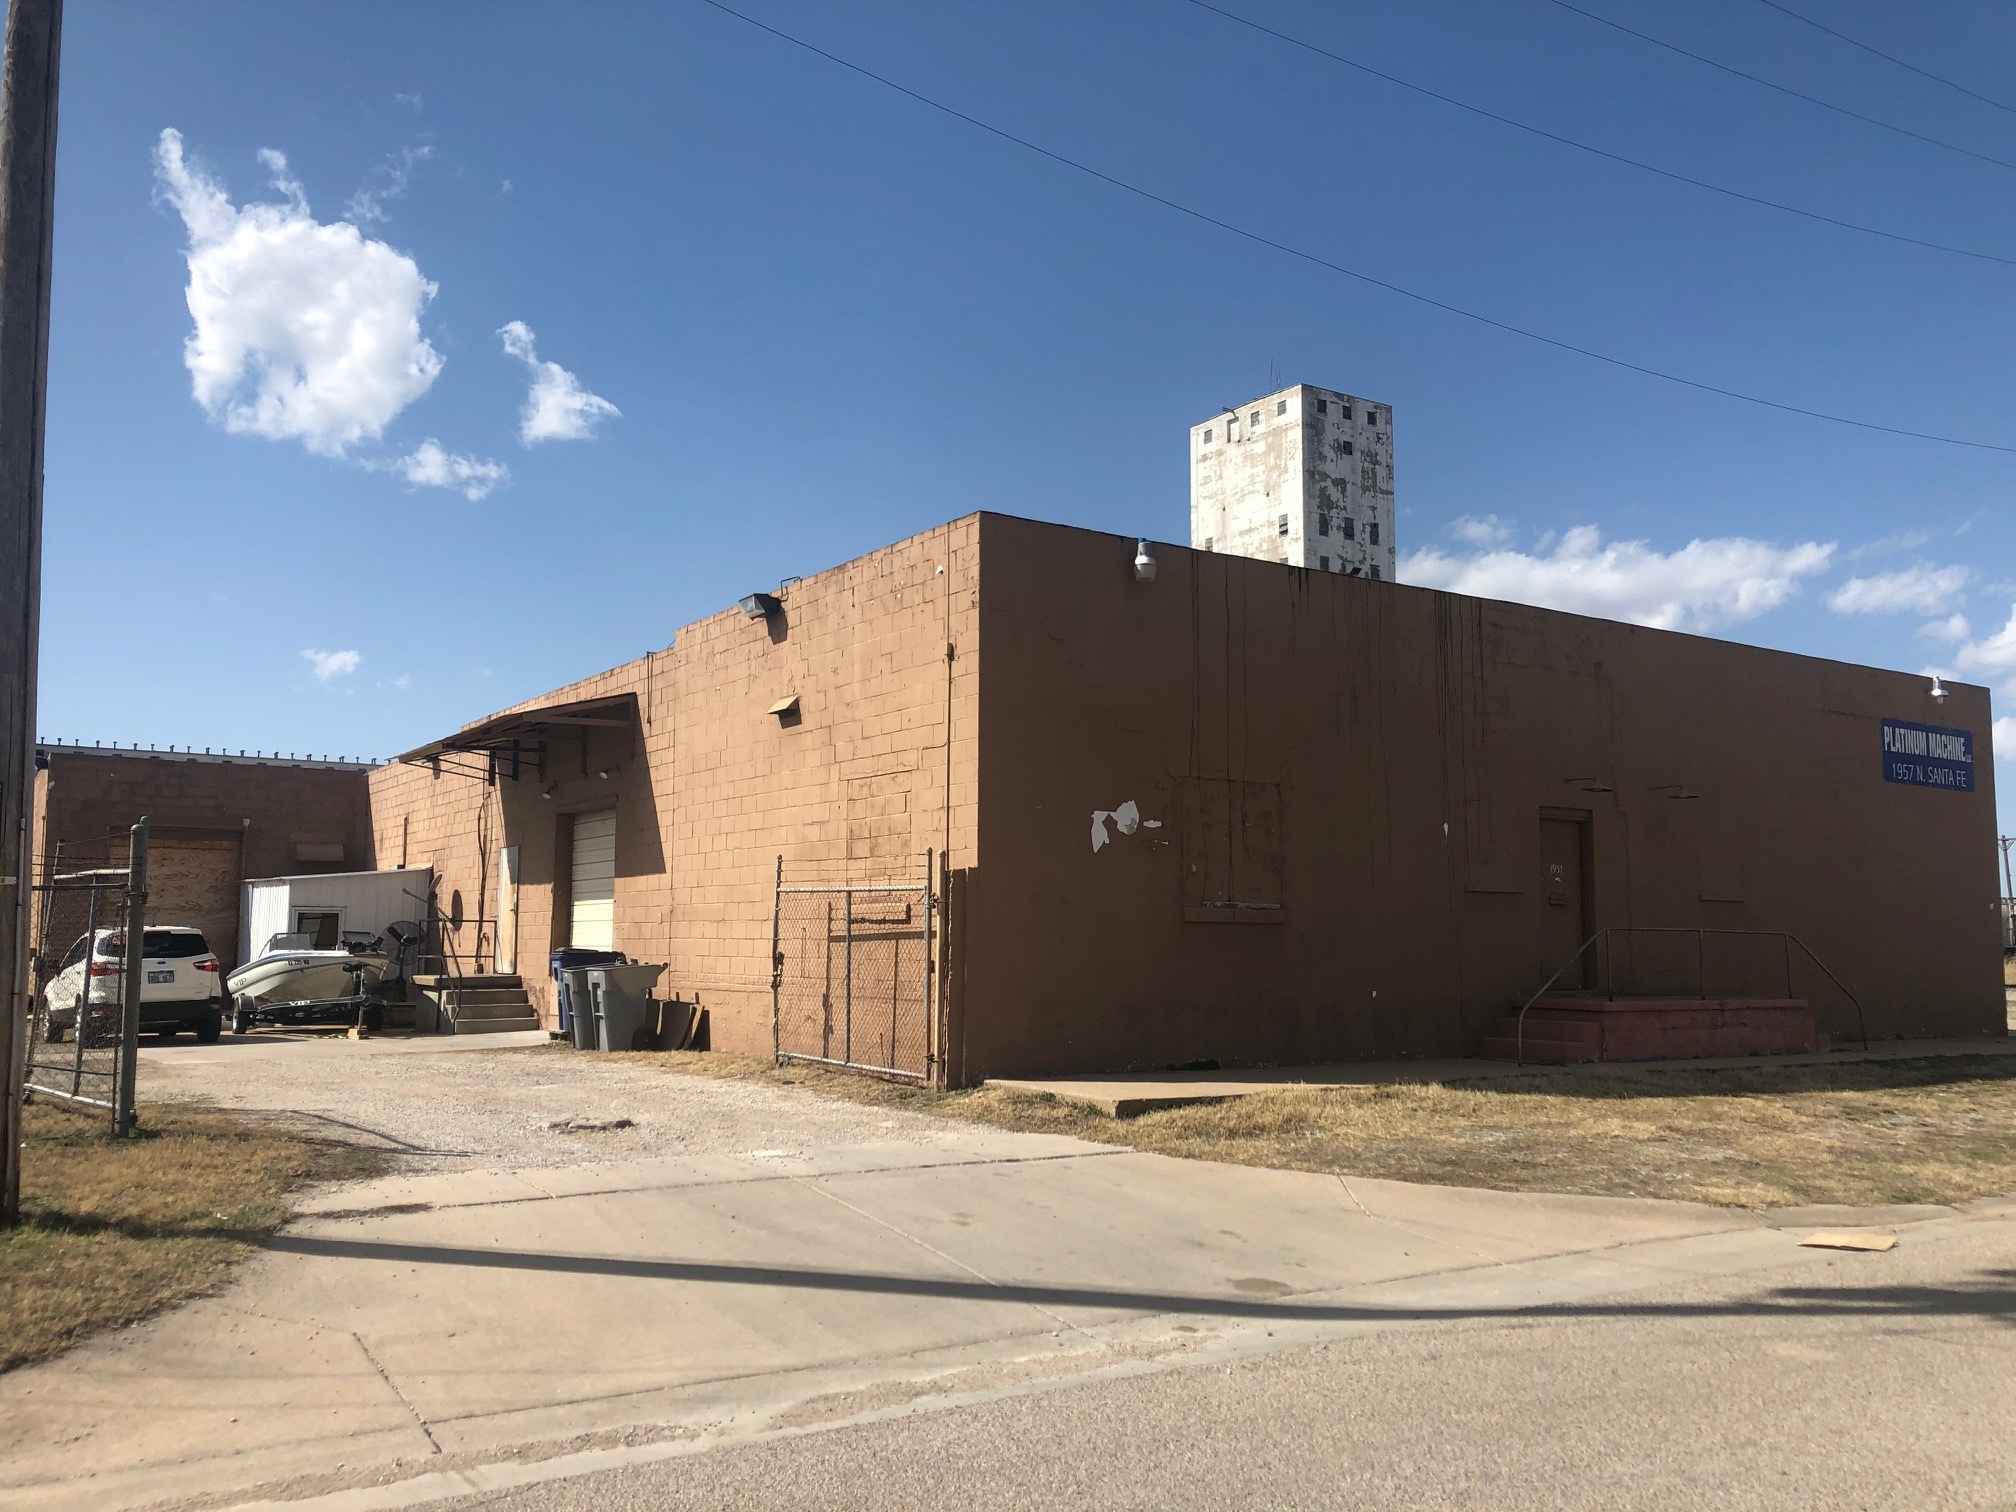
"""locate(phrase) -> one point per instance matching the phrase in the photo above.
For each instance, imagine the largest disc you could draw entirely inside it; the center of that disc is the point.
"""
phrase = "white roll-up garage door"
(592, 903)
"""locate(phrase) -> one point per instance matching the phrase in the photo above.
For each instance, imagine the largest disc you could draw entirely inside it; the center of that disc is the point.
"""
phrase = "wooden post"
(27, 212)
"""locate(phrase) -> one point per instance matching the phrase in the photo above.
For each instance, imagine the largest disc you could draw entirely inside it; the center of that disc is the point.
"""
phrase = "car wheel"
(210, 1028)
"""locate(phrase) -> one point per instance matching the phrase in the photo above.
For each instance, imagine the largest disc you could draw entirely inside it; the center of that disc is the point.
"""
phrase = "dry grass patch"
(114, 1229)
(1862, 1132)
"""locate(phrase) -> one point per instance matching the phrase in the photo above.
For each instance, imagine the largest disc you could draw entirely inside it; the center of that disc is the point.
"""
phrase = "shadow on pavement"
(1992, 1297)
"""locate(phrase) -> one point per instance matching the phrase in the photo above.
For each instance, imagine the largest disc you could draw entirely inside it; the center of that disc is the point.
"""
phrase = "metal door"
(507, 911)
(1565, 914)
(591, 921)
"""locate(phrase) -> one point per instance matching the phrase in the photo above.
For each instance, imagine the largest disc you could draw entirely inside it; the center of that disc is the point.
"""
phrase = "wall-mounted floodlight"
(759, 605)
(1939, 691)
(1590, 784)
(1674, 790)
(1144, 562)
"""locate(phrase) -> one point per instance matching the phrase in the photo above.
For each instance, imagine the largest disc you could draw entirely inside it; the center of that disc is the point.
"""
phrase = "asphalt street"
(1842, 1381)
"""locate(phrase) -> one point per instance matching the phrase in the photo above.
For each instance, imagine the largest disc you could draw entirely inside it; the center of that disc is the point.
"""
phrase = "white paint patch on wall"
(1126, 819)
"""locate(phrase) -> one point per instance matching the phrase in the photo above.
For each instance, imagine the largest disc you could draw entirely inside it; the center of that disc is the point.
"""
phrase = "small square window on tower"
(1322, 406)
(1346, 412)
(1323, 563)
(1284, 525)
(1322, 524)
(1347, 448)
(1254, 418)
(1281, 406)
(1350, 528)
(1371, 417)
(1372, 532)
(1207, 543)
(1207, 435)
(1375, 572)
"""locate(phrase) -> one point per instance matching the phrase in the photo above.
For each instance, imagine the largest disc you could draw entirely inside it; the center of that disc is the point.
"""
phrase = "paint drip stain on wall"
(1126, 819)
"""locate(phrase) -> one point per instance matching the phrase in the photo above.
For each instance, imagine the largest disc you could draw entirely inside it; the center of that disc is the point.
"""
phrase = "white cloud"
(1483, 531)
(430, 466)
(387, 181)
(1953, 628)
(304, 331)
(1890, 545)
(1995, 656)
(2005, 739)
(1918, 589)
(403, 681)
(557, 408)
(1704, 584)
(328, 664)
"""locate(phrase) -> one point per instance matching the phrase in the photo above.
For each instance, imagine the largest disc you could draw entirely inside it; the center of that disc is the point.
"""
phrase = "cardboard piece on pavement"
(1850, 1239)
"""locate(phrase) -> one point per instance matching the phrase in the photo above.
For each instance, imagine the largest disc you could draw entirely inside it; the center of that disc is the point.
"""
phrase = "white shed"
(328, 907)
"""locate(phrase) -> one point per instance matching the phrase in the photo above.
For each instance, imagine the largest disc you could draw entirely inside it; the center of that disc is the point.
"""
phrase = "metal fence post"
(931, 1047)
(847, 977)
(776, 959)
(124, 1117)
(78, 1034)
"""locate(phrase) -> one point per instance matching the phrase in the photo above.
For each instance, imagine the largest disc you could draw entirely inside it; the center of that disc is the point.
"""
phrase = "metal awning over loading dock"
(526, 742)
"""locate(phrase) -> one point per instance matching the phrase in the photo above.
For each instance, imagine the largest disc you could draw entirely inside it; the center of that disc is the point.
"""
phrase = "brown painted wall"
(266, 810)
(710, 788)
(1410, 741)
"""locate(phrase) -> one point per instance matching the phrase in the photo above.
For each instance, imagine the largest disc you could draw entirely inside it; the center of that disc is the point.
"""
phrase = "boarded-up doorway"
(193, 879)
(591, 897)
(507, 910)
(1567, 910)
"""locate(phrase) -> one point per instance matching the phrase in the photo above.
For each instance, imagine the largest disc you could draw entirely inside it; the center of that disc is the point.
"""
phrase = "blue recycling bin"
(569, 958)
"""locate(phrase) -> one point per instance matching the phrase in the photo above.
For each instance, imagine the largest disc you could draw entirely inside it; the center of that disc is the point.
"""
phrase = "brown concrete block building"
(1240, 812)
(217, 820)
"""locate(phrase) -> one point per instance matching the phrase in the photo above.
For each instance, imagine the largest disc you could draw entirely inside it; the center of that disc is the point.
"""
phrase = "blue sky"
(780, 315)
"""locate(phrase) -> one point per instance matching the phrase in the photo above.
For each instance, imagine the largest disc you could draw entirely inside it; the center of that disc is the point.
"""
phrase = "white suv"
(182, 985)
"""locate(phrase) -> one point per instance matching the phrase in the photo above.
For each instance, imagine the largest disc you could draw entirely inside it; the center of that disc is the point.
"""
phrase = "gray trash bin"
(581, 1000)
(622, 999)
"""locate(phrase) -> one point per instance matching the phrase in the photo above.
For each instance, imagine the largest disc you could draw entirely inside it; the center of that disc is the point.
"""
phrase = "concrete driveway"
(459, 1329)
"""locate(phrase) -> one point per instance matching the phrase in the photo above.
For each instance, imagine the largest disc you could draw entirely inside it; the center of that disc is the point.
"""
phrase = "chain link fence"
(851, 981)
(81, 1038)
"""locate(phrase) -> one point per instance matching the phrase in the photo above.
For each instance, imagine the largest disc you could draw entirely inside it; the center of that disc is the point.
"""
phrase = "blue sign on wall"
(1928, 755)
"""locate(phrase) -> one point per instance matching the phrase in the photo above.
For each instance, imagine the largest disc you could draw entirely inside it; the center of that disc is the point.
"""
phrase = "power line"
(1312, 258)
(1876, 52)
(1785, 89)
(1615, 157)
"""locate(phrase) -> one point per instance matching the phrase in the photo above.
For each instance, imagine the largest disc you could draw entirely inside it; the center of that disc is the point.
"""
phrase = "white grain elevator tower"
(1303, 476)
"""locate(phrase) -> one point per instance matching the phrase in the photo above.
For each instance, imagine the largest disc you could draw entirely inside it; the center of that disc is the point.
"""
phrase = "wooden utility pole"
(27, 215)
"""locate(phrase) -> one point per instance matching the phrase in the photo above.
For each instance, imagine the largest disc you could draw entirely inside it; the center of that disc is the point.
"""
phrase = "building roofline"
(46, 748)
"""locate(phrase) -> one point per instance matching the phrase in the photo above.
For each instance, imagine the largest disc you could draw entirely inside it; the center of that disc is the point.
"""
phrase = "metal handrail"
(1861, 1022)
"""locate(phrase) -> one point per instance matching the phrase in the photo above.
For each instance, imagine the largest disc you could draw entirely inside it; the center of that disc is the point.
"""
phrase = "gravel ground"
(470, 1110)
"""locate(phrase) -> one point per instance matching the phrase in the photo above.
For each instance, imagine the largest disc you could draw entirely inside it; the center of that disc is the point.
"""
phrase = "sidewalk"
(417, 1326)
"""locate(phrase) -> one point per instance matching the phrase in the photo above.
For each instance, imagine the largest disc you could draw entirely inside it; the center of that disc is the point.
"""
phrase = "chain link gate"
(851, 974)
(82, 1040)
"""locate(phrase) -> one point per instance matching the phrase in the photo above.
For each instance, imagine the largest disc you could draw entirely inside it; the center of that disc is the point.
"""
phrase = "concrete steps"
(1564, 1030)
(478, 1004)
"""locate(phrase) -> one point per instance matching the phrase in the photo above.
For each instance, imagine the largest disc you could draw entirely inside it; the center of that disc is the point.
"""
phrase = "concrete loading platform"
(1126, 1094)
(1561, 1029)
